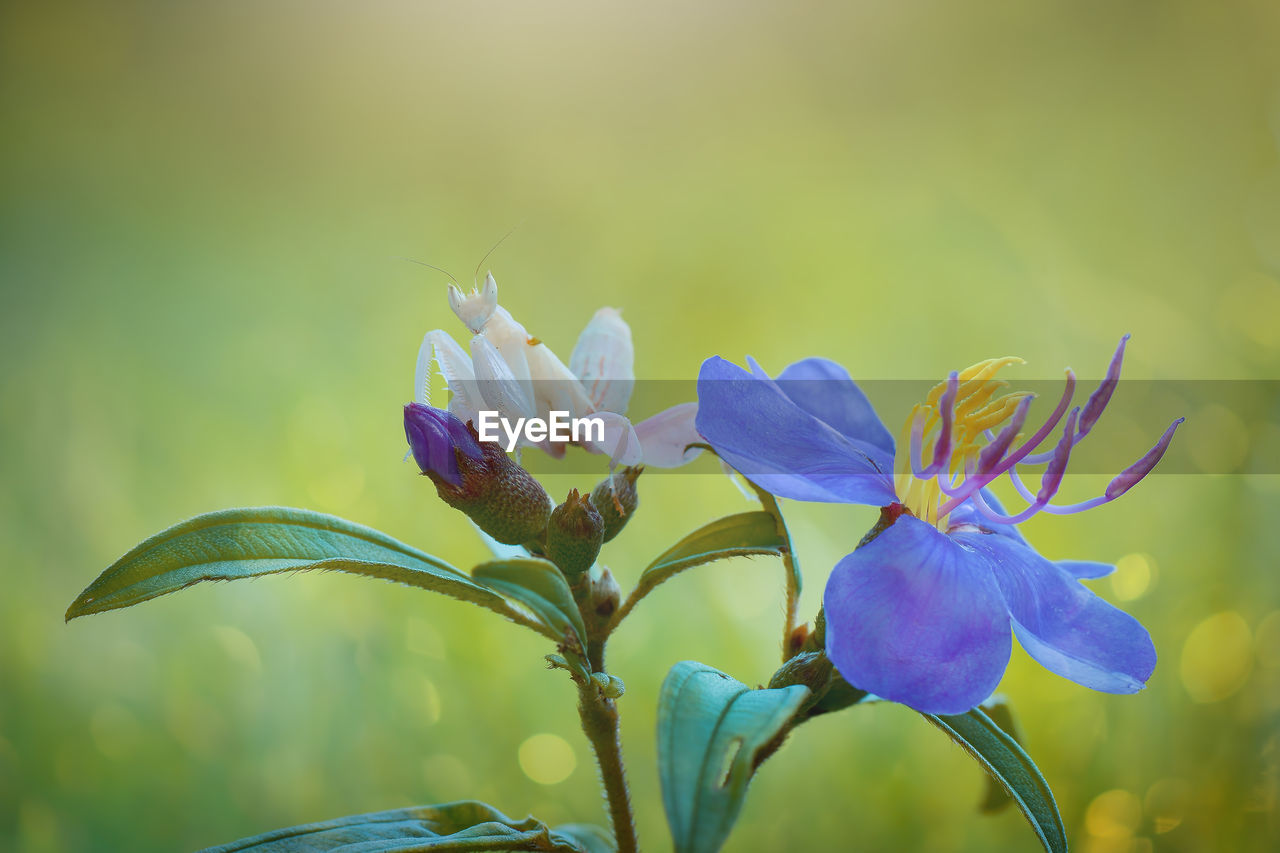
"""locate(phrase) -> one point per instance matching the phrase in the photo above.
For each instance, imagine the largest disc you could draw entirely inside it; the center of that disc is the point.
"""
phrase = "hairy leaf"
(1009, 765)
(462, 826)
(539, 586)
(744, 534)
(252, 542)
(713, 732)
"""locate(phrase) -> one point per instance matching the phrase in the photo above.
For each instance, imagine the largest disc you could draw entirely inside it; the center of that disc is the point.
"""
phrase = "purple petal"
(782, 448)
(1085, 569)
(433, 437)
(825, 390)
(968, 514)
(1062, 624)
(915, 618)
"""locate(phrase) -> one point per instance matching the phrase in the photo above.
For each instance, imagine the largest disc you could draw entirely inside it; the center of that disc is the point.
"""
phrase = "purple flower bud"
(1052, 479)
(1129, 477)
(1098, 399)
(991, 455)
(436, 437)
(502, 498)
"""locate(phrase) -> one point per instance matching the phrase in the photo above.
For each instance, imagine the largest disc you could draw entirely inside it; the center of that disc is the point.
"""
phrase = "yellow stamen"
(977, 410)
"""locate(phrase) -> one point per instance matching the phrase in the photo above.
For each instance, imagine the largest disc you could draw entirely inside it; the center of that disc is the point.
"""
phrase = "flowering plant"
(921, 612)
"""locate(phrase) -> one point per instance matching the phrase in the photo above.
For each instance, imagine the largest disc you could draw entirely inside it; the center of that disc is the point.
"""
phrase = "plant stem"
(599, 717)
(790, 564)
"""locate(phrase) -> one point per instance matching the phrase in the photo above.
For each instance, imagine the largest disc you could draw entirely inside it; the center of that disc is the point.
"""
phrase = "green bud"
(574, 535)
(812, 669)
(615, 497)
(502, 498)
(605, 594)
(610, 686)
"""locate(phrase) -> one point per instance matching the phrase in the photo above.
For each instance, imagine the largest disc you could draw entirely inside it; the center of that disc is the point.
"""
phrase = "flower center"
(953, 429)
(950, 428)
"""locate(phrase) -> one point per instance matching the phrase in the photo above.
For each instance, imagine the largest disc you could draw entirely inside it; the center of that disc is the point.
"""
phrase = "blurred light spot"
(423, 639)
(547, 759)
(1217, 439)
(1113, 814)
(1268, 640)
(1217, 657)
(1133, 576)
(1166, 803)
(446, 775)
(239, 646)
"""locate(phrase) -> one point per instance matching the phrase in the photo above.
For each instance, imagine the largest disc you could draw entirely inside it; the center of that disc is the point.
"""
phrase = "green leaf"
(462, 826)
(252, 542)
(744, 534)
(713, 732)
(1009, 765)
(539, 586)
(591, 838)
(997, 799)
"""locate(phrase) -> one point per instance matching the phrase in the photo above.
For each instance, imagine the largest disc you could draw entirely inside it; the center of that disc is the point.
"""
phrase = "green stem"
(792, 567)
(599, 716)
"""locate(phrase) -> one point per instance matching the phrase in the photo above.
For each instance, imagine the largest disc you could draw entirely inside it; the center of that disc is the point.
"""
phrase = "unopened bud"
(503, 499)
(799, 636)
(610, 686)
(615, 498)
(605, 593)
(574, 535)
(812, 669)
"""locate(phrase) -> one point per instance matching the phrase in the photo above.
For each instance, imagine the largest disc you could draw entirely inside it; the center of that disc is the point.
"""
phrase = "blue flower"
(920, 613)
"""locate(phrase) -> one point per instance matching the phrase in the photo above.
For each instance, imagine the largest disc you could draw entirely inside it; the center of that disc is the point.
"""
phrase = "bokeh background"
(203, 304)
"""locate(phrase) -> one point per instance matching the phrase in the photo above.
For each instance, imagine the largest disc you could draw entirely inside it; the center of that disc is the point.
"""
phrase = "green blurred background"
(203, 306)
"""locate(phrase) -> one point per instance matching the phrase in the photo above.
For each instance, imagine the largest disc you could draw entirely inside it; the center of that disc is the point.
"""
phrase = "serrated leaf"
(462, 826)
(539, 586)
(745, 534)
(252, 542)
(1009, 765)
(713, 731)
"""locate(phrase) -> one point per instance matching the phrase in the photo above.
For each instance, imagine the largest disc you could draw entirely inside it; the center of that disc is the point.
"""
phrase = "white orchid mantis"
(515, 374)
